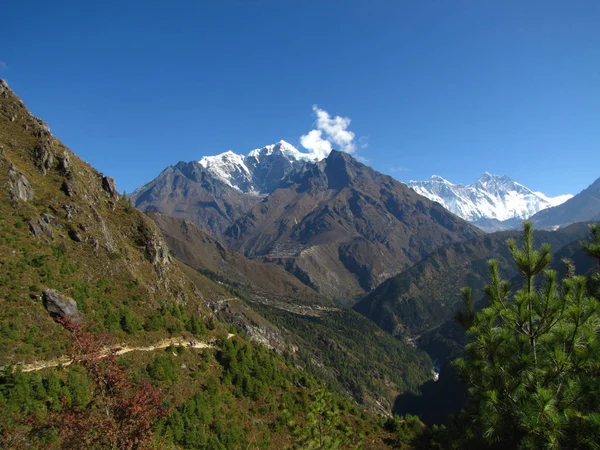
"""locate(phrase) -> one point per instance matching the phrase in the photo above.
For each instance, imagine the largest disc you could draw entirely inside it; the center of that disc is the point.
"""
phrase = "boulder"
(75, 235)
(39, 227)
(51, 220)
(60, 306)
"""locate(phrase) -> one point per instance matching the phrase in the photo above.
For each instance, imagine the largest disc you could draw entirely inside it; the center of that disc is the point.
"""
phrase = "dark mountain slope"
(584, 207)
(205, 254)
(427, 295)
(339, 214)
(190, 191)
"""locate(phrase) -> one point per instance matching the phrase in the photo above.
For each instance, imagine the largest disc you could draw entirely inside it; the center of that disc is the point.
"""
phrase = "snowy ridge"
(489, 197)
(260, 171)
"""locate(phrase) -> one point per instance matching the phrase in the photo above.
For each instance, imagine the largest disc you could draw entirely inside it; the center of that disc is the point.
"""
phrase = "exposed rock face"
(68, 188)
(190, 191)
(40, 227)
(60, 306)
(64, 165)
(18, 185)
(44, 158)
(109, 185)
(155, 246)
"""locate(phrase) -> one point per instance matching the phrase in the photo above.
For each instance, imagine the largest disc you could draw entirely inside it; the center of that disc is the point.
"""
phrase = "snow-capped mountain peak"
(259, 172)
(489, 197)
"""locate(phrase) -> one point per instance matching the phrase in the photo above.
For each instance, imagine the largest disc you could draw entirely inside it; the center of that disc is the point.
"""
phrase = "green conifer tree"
(533, 361)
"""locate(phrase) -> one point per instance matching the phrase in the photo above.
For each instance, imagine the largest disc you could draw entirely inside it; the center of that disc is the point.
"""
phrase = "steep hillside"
(344, 216)
(65, 227)
(585, 206)
(208, 256)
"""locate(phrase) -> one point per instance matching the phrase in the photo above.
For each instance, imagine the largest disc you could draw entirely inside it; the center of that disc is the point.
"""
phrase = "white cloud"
(3, 65)
(314, 142)
(330, 132)
(397, 169)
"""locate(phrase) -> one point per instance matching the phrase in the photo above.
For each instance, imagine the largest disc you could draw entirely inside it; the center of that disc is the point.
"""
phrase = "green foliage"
(163, 369)
(406, 430)
(532, 363)
(30, 393)
(361, 358)
(250, 369)
(323, 427)
(130, 323)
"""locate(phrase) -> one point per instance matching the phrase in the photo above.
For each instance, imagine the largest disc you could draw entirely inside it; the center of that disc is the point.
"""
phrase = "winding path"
(120, 350)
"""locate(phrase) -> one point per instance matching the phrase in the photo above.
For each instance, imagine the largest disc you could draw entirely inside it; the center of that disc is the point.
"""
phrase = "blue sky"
(453, 88)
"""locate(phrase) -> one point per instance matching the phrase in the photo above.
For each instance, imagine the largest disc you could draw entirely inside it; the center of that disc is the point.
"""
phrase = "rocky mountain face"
(191, 191)
(217, 190)
(492, 202)
(343, 228)
(261, 171)
(585, 206)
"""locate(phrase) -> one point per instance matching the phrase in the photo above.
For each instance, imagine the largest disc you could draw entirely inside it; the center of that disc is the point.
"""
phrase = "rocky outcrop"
(60, 306)
(109, 185)
(19, 186)
(44, 158)
(64, 165)
(152, 241)
(41, 228)
(3, 88)
(68, 188)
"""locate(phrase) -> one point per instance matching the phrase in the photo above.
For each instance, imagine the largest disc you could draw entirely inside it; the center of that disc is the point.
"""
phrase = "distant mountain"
(343, 228)
(217, 190)
(493, 202)
(261, 171)
(585, 206)
(190, 191)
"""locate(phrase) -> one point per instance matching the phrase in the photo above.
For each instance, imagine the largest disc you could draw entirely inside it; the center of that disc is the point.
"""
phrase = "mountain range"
(278, 205)
(492, 202)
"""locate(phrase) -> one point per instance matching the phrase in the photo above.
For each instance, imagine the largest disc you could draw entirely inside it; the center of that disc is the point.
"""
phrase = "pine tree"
(534, 357)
